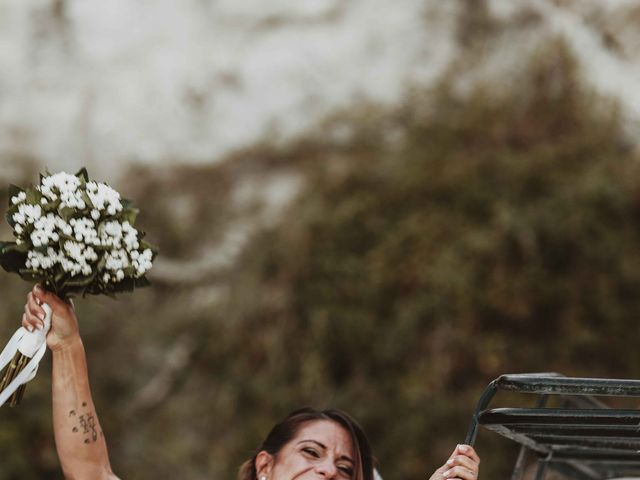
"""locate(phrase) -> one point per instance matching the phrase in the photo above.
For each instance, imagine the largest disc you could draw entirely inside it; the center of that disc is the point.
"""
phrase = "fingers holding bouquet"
(463, 464)
(64, 323)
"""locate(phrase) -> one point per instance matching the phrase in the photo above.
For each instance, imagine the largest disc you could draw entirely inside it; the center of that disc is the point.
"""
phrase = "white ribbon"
(32, 345)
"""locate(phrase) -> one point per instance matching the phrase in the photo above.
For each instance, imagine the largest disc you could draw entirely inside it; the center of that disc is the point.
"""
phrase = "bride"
(307, 444)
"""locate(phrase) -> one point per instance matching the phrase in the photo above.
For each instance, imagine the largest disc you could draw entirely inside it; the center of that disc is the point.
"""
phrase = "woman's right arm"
(79, 439)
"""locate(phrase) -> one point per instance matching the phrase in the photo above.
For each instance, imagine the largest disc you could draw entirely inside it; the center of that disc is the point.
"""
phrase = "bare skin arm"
(79, 439)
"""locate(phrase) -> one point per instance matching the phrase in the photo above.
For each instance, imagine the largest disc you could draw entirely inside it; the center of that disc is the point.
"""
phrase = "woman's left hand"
(463, 464)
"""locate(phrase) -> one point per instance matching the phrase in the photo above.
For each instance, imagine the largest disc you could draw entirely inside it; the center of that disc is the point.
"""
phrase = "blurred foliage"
(433, 248)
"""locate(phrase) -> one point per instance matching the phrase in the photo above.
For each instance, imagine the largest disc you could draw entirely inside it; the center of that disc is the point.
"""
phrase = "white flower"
(37, 260)
(73, 249)
(27, 214)
(143, 262)
(111, 234)
(116, 260)
(103, 197)
(20, 197)
(90, 254)
(130, 237)
(62, 181)
(19, 218)
(45, 229)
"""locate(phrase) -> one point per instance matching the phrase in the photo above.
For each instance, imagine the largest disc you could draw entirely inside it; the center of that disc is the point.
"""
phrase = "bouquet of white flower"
(74, 236)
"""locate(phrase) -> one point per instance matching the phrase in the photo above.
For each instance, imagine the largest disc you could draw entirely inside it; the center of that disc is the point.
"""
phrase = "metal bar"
(483, 402)
(521, 439)
(576, 470)
(554, 385)
(542, 470)
(582, 431)
(554, 441)
(555, 416)
(597, 454)
(596, 448)
(518, 469)
(543, 463)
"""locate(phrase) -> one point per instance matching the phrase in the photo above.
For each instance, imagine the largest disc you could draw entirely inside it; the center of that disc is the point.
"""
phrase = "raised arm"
(79, 439)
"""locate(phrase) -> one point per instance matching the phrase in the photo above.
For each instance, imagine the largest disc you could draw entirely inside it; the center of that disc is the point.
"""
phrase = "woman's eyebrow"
(321, 445)
(313, 441)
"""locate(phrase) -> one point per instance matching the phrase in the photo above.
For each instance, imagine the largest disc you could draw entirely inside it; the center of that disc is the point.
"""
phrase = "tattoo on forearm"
(86, 424)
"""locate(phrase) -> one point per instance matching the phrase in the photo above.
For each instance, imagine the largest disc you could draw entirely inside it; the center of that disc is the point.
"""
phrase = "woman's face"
(322, 449)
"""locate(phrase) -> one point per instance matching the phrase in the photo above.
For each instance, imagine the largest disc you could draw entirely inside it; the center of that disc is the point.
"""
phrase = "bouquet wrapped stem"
(74, 236)
(19, 360)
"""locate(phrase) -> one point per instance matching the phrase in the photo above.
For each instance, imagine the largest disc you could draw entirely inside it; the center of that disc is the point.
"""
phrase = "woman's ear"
(264, 464)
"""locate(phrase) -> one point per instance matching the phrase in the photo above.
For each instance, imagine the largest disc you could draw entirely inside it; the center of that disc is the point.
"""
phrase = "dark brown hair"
(284, 431)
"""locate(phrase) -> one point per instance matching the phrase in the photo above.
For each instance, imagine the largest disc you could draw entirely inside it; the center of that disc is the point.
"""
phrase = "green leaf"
(33, 196)
(46, 173)
(59, 276)
(50, 206)
(83, 174)
(14, 247)
(66, 213)
(31, 276)
(126, 285)
(87, 200)
(13, 261)
(79, 281)
(9, 215)
(11, 258)
(13, 191)
(70, 292)
(129, 215)
(141, 282)
(144, 245)
(101, 264)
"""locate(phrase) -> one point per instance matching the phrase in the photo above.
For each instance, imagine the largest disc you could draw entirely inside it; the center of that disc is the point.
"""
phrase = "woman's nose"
(327, 469)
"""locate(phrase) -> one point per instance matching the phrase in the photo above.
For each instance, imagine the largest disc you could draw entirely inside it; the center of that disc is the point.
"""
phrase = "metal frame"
(583, 440)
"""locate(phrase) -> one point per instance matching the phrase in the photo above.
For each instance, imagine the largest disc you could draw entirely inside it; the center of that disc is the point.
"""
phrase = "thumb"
(49, 298)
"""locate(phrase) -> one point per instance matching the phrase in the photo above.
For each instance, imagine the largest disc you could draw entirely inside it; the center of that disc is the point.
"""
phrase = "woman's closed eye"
(346, 469)
(311, 452)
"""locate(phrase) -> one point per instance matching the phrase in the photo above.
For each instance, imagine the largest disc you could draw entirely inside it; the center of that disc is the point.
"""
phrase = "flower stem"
(17, 364)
